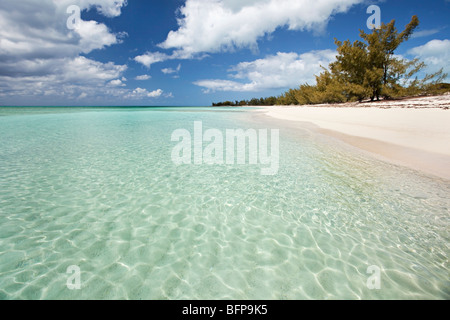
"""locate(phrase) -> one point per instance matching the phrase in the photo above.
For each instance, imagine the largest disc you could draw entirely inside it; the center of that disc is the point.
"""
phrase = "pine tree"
(366, 68)
(383, 68)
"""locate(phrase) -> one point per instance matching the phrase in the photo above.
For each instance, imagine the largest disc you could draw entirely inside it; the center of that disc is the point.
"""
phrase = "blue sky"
(189, 52)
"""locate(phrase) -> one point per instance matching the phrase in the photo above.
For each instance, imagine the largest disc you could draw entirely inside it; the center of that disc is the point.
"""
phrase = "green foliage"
(288, 98)
(369, 69)
(366, 69)
(385, 69)
(253, 102)
(437, 88)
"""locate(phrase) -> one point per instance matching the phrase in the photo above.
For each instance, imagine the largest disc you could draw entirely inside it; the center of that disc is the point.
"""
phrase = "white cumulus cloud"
(116, 83)
(283, 70)
(435, 54)
(37, 29)
(171, 70)
(140, 93)
(150, 58)
(40, 55)
(108, 8)
(222, 25)
(211, 26)
(143, 77)
(70, 78)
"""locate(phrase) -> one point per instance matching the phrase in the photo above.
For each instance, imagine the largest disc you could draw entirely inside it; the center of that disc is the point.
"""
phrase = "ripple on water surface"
(97, 189)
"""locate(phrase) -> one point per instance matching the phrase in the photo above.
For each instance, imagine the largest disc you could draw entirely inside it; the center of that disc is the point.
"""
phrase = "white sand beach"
(411, 132)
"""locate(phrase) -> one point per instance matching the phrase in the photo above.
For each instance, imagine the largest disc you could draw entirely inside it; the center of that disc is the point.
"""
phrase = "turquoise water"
(96, 188)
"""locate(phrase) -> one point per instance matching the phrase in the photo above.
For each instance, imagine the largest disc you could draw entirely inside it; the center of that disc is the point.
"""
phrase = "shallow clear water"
(96, 188)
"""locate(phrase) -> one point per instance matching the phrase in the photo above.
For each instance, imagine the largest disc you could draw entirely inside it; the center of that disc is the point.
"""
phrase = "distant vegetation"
(367, 69)
(253, 102)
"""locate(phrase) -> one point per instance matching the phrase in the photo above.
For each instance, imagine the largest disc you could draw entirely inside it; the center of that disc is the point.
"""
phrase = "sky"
(189, 52)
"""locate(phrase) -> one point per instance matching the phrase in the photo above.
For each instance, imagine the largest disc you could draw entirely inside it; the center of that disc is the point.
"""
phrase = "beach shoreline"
(414, 133)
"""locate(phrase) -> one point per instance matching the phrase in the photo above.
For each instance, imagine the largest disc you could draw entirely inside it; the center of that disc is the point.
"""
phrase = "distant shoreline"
(411, 132)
